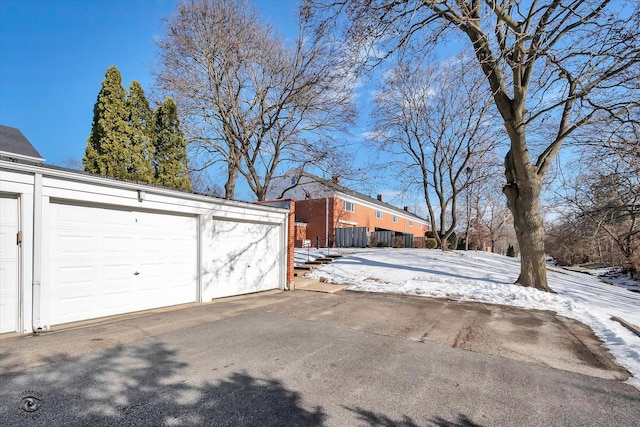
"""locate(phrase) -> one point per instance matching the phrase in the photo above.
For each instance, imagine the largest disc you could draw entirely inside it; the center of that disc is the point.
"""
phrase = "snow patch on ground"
(488, 278)
(303, 255)
(615, 277)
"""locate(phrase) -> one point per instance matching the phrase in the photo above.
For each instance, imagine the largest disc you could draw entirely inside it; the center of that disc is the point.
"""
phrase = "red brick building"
(322, 206)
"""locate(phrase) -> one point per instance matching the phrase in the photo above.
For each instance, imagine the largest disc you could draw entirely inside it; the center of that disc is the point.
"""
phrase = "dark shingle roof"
(342, 189)
(13, 144)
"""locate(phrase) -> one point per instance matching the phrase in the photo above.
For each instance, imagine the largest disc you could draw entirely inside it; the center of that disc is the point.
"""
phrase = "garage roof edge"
(102, 180)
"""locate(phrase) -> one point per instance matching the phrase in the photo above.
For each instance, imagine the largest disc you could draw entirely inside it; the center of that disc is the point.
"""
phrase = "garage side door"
(247, 257)
(8, 263)
(106, 261)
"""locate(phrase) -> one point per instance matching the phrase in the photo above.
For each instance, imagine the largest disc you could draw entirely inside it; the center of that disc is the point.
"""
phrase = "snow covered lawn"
(486, 277)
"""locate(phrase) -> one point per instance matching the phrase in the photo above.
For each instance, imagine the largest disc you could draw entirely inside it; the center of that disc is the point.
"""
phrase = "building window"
(420, 226)
(349, 207)
(395, 218)
(379, 215)
(410, 223)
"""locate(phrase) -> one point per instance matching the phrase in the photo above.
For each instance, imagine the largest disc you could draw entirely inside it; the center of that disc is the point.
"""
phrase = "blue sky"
(54, 54)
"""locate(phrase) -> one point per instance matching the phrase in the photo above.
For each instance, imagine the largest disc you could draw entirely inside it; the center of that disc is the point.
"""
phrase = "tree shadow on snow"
(142, 385)
(440, 272)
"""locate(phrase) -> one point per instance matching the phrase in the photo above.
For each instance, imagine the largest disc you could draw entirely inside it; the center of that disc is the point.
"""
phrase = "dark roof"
(337, 187)
(13, 144)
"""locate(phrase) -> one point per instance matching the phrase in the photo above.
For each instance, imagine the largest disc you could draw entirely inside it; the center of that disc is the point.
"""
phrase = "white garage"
(75, 247)
(105, 261)
(9, 228)
(245, 257)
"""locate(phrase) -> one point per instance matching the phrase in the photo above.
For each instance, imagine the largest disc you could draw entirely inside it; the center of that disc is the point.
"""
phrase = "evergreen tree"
(139, 144)
(170, 154)
(105, 152)
(130, 141)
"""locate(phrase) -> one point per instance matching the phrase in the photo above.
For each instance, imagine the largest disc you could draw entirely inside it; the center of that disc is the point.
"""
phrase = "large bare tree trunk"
(230, 185)
(523, 196)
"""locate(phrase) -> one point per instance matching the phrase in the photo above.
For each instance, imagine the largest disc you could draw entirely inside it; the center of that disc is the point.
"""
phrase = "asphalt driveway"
(301, 358)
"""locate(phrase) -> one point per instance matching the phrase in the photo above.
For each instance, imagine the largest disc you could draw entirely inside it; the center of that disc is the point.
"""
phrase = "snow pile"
(488, 278)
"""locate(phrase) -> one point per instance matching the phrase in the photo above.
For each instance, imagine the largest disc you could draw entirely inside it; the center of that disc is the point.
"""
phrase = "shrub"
(511, 251)
(452, 241)
(430, 243)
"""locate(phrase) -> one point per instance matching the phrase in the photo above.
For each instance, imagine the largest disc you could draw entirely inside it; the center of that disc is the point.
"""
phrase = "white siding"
(9, 265)
(106, 261)
(245, 257)
(92, 248)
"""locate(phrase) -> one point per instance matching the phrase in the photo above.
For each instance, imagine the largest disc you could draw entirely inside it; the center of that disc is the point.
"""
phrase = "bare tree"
(551, 64)
(71, 163)
(604, 200)
(615, 209)
(202, 183)
(434, 123)
(247, 98)
(491, 220)
(485, 216)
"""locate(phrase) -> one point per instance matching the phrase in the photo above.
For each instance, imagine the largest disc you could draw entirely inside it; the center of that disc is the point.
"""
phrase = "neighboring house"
(15, 146)
(329, 209)
(75, 246)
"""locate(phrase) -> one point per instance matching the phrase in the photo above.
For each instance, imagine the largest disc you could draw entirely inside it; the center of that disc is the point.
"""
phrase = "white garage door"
(247, 257)
(106, 261)
(8, 263)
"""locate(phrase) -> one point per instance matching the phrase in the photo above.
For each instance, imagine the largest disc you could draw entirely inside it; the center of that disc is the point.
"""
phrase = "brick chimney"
(379, 197)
